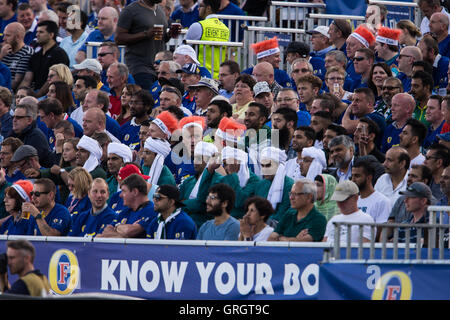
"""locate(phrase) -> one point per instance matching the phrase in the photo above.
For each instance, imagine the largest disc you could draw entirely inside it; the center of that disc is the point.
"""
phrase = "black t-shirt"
(40, 64)
(20, 287)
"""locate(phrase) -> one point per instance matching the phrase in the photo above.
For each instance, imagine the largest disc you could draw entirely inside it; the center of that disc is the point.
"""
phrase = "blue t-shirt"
(130, 134)
(185, 18)
(95, 36)
(4, 23)
(116, 202)
(229, 230)
(440, 78)
(180, 227)
(19, 227)
(113, 127)
(432, 136)
(58, 218)
(143, 215)
(280, 76)
(390, 138)
(444, 47)
(181, 168)
(76, 206)
(406, 81)
(233, 10)
(85, 224)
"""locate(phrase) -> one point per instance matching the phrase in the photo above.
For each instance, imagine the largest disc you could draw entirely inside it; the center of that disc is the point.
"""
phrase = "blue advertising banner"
(153, 271)
(384, 281)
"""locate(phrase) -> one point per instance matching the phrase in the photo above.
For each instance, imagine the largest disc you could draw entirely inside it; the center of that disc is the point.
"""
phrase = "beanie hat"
(266, 48)
(167, 122)
(23, 188)
(388, 36)
(363, 35)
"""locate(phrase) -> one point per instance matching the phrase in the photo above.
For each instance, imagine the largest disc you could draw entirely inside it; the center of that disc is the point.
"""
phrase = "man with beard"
(219, 203)
(41, 61)
(366, 138)
(15, 54)
(370, 201)
(303, 137)
(342, 151)
(421, 89)
(136, 29)
(217, 109)
(91, 222)
(394, 180)
(284, 120)
(141, 104)
(391, 86)
(257, 132)
(411, 138)
(118, 155)
(172, 222)
(320, 122)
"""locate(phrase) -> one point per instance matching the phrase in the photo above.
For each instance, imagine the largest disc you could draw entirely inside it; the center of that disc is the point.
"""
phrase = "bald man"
(408, 55)
(15, 54)
(402, 108)
(439, 23)
(107, 23)
(264, 71)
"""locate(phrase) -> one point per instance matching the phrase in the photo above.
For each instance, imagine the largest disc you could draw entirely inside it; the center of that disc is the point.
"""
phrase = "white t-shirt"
(377, 205)
(384, 185)
(357, 216)
(419, 159)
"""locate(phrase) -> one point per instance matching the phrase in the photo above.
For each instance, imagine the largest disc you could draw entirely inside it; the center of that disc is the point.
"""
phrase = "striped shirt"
(18, 62)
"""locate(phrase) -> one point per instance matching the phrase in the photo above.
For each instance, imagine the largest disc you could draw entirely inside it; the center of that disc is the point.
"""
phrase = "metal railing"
(401, 4)
(236, 24)
(227, 51)
(293, 14)
(428, 236)
(327, 19)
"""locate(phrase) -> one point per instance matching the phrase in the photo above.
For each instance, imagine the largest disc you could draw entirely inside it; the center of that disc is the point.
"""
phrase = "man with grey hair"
(168, 69)
(24, 128)
(439, 23)
(342, 150)
(117, 77)
(302, 222)
(301, 67)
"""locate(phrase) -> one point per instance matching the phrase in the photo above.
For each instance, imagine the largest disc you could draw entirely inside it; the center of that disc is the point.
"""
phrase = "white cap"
(323, 30)
(90, 64)
(187, 50)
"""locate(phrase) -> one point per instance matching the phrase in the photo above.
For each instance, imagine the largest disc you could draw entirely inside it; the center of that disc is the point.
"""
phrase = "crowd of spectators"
(154, 143)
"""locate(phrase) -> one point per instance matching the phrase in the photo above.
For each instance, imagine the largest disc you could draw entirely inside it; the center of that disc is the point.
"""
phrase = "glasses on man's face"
(296, 194)
(158, 197)
(37, 194)
(335, 79)
(403, 56)
(212, 197)
(104, 54)
(280, 100)
(19, 117)
(358, 59)
(389, 88)
(431, 157)
(303, 70)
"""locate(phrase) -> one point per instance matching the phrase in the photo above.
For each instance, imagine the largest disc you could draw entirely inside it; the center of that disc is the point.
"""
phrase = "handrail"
(234, 17)
(216, 43)
(270, 29)
(334, 16)
(395, 3)
(297, 4)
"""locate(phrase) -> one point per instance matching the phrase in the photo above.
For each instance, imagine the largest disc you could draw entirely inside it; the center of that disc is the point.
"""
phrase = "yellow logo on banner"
(402, 291)
(63, 272)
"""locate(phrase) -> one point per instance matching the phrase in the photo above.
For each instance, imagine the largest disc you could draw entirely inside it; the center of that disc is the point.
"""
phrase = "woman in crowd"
(127, 92)
(334, 79)
(18, 222)
(410, 33)
(380, 71)
(326, 184)
(253, 223)
(243, 92)
(69, 153)
(57, 72)
(63, 92)
(79, 183)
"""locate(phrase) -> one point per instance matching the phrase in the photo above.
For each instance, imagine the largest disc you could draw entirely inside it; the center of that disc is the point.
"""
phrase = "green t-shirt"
(314, 221)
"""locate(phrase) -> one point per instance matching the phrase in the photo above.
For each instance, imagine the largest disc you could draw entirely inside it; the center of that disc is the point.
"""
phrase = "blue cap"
(444, 136)
(189, 68)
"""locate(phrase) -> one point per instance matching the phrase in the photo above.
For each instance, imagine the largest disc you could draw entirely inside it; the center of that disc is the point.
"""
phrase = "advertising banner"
(384, 281)
(153, 271)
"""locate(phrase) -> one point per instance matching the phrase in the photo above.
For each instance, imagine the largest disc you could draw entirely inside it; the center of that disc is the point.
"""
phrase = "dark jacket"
(33, 136)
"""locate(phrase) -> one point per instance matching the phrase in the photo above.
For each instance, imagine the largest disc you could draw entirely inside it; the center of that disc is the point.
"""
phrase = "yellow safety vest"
(213, 30)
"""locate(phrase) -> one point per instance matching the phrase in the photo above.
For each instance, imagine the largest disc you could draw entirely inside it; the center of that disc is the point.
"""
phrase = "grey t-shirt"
(229, 230)
(136, 18)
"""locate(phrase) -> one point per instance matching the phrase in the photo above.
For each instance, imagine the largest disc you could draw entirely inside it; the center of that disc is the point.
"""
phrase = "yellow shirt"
(241, 110)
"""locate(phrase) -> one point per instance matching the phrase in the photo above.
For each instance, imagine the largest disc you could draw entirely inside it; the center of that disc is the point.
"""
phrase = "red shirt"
(445, 128)
(116, 106)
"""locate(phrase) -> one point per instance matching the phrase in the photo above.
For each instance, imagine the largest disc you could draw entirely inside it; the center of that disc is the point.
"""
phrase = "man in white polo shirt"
(395, 179)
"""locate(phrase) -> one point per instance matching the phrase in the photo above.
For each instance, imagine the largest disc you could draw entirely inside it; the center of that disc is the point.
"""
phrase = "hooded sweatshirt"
(326, 206)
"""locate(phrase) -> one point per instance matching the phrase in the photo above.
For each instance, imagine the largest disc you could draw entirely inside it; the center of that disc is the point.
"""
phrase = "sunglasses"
(158, 197)
(104, 54)
(358, 59)
(38, 193)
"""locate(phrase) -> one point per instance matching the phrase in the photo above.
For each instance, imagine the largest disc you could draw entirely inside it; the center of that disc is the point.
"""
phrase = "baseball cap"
(323, 30)
(444, 136)
(187, 50)
(171, 192)
(261, 87)
(344, 189)
(130, 169)
(90, 64)
(24, 151)
(418, 190)
(207, 82)
(189, 68)
(299, 47)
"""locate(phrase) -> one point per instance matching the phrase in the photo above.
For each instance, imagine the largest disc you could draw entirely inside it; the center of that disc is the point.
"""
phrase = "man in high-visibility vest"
(209, 28)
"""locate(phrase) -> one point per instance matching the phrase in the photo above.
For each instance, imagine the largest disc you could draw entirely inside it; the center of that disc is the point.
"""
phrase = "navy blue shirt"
(180, 226)
(444, 47)
(185, 18)
(87, 224)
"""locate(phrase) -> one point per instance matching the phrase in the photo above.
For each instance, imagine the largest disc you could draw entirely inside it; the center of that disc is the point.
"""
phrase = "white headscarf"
(121, 150)
(205, 149)
(162, 150)
(317, 164)
(95, 150)
(242, 157)
(275, 194)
